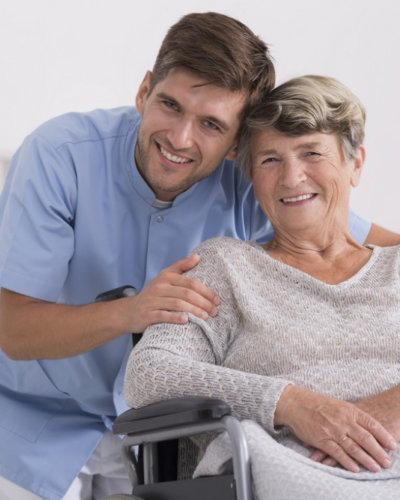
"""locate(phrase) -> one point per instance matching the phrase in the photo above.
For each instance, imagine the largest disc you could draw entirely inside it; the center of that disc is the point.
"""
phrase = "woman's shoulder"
(224, 245)
(386, 261)
(219, 256)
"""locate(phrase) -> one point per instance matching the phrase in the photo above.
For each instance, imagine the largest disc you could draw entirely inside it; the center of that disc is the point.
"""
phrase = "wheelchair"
(155, 429)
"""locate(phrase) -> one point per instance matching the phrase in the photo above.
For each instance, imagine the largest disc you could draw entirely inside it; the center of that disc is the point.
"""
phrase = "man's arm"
(382, 237)
(36, 329)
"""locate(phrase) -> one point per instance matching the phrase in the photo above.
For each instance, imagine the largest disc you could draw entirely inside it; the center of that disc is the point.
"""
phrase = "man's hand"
(170, 296)
(339, 429)
(35, 329)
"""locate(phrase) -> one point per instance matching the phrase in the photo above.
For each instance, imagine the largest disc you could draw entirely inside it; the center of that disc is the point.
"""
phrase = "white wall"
(62, 55)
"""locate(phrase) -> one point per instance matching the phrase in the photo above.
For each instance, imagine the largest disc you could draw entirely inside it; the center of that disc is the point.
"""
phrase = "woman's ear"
(358, 163)
(143, 92)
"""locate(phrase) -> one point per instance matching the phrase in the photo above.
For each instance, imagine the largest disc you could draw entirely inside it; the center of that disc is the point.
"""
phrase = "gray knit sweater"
(276, 324)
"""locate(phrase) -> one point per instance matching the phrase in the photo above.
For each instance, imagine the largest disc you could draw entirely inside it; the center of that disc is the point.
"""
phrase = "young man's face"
(188, 127)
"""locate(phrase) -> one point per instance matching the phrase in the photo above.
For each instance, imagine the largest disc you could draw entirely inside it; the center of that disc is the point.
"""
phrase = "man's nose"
(181, 134)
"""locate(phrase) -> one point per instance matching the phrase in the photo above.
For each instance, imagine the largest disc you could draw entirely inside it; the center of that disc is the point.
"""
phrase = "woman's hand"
(384, 407)
(339, 429)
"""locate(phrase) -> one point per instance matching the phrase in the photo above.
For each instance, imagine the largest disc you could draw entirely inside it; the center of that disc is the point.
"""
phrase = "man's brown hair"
(219, 49)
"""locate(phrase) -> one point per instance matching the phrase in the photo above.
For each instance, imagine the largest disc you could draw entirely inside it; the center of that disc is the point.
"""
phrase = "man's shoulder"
(95, 125)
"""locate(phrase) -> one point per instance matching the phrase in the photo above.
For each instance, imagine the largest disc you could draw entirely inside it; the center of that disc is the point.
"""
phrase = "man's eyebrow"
(220, 123)
(163, 95)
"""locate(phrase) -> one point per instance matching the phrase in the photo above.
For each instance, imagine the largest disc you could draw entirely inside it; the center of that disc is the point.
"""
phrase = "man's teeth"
(297, 198)
(170, 157)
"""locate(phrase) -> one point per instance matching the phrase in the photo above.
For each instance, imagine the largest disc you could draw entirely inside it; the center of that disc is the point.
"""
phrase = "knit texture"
(276, 325)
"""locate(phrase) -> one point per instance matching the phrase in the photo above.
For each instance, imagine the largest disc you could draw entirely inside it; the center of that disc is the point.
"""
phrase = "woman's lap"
(285, 471)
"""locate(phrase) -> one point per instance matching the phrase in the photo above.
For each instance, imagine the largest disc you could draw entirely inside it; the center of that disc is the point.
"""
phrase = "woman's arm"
(384, 407)
(181, 360)
(175, 361)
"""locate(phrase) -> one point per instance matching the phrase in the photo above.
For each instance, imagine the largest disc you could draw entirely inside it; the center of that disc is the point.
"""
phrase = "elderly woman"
(306, 344)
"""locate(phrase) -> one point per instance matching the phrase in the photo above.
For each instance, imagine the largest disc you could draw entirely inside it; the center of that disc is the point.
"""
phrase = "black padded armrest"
(170, 413)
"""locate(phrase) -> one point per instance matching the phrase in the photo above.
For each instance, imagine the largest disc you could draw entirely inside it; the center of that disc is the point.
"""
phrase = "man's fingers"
(192, 303)
(168, 317)
(195, 291)
(172, 293)
(188, 289)
(183, 265)
(173, 276)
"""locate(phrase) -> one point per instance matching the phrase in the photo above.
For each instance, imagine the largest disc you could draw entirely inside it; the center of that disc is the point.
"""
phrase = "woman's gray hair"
(305, 105)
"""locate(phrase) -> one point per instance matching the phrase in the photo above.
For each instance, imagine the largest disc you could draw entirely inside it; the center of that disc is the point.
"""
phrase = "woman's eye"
(269, 160)
(313, 154)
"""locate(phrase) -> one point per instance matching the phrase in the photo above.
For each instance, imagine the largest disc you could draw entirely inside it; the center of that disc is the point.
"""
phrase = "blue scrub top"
(77, 219)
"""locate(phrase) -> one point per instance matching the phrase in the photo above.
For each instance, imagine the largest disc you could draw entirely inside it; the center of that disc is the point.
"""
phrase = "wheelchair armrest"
(170, 413)
(177, 418)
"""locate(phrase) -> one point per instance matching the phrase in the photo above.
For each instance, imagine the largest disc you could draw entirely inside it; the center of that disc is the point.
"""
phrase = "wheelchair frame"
(177, 418)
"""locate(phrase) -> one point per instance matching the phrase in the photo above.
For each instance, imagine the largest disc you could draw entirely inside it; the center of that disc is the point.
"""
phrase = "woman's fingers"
(330, 462)
(334, 427)
(361, 448)
(351, 455)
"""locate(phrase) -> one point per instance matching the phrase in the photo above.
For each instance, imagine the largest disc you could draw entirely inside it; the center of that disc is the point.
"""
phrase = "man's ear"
(232, 153)
(358, 163)
(143, 92)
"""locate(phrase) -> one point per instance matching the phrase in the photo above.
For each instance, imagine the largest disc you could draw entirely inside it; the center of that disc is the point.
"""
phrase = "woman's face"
(303, 182)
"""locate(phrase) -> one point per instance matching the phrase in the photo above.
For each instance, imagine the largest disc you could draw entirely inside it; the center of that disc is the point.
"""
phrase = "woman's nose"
(292, 173)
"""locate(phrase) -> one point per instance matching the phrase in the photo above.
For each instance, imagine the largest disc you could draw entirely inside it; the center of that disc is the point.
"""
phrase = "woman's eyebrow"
(311, 145)
(266, 152)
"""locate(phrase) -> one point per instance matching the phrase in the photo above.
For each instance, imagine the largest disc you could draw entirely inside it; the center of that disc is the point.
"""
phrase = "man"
(98, 200)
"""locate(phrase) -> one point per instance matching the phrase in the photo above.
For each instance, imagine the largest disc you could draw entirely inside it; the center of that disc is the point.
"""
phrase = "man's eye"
(171, 105)
(211, 125)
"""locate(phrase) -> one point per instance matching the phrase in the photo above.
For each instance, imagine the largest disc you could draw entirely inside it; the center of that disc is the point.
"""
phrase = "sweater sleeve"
(185, 360)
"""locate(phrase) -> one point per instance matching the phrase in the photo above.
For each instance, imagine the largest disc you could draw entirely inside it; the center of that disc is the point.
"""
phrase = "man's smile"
(172, 157)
